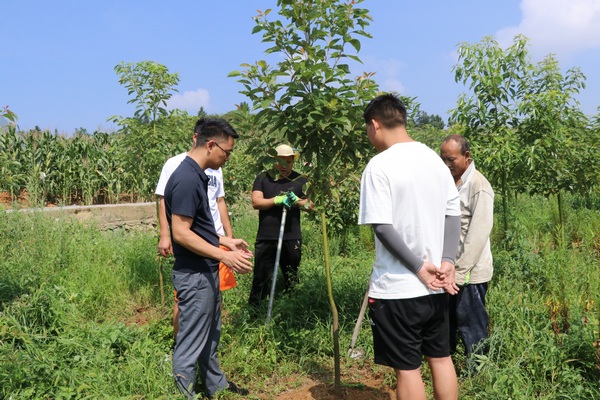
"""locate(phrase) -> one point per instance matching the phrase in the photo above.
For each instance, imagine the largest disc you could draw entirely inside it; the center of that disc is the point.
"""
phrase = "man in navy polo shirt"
(197, 255)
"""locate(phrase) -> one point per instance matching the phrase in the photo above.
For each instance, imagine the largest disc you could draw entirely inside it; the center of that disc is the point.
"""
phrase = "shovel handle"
(361, 315)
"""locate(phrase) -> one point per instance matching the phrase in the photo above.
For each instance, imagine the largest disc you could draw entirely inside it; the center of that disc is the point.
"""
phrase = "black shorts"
(405, 330)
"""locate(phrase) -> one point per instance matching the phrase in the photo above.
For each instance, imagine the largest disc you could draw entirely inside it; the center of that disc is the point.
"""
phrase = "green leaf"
(265, 103)
(356, 44)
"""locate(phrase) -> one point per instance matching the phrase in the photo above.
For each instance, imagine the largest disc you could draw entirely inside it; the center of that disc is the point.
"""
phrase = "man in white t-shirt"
(409, 199)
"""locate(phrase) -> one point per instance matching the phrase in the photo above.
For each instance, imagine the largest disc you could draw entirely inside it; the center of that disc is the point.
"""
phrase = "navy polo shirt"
(186, 195)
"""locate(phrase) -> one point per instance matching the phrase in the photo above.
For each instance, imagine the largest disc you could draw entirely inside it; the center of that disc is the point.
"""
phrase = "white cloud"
(389, 67)
(392, 85)
(189, 100)
(388, 73)
(560, 27)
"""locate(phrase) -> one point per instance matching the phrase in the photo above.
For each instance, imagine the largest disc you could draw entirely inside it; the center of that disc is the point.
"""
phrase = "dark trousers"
(265, 252)
(468, 317)
(199, 332)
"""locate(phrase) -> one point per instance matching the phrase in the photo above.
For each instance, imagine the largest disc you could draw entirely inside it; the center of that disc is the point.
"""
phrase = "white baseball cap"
(284, 150)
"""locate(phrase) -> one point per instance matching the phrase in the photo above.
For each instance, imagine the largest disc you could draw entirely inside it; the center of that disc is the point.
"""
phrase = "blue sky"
(57, 58)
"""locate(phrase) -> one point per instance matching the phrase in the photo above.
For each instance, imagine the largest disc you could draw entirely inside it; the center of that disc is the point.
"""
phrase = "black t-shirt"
(186, 195)
(269, 221)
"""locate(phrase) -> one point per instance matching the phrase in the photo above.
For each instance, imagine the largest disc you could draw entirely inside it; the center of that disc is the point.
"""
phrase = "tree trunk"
(334, 312)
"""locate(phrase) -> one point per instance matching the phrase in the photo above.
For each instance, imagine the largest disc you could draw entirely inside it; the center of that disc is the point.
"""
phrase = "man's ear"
(376, 124)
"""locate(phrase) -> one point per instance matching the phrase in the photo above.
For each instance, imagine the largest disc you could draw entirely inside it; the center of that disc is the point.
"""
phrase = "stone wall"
(108, 217)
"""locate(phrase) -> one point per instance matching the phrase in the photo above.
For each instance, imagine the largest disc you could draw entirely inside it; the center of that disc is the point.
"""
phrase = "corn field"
(89, 169)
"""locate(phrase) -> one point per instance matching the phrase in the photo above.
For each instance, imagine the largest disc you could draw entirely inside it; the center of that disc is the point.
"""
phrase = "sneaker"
(233, 388)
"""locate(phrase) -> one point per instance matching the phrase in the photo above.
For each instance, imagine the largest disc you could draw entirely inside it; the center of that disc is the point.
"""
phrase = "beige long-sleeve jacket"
(474, 263)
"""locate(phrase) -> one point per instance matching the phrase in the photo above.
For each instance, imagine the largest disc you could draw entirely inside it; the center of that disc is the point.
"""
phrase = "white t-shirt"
(215, 190)
(215, 187)
(168, 169)
(409, 187)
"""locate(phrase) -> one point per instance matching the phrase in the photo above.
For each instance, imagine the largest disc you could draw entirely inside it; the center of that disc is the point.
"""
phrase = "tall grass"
(543, 305)
(81, 314)
(68, 295)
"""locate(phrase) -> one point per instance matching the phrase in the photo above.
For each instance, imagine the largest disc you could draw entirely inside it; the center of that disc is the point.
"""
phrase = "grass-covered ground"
(81, 313)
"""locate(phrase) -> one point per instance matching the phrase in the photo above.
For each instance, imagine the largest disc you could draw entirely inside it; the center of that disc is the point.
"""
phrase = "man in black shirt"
(195, 273)
(269, 197)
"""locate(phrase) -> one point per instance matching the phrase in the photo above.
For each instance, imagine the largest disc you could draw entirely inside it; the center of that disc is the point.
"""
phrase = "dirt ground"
(6, 200)
(356, 384)
(369, 389)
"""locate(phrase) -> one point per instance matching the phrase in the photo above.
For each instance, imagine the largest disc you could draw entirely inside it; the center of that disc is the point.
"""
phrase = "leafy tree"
(309, 100)
(523, 120)
(549, 131)
(7, 115)
(202, 113)
(151, 85)
(81, 131)
(422, 119)
(429, 135)
(489, 116)
(413, 108)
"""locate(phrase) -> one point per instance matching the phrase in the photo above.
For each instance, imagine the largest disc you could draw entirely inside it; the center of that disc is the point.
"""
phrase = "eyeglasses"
(227, 152)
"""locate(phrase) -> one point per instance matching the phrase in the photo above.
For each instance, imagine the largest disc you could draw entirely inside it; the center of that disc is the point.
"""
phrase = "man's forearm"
(451, 238)
(163, 223)
(392, 241)
(194, 243)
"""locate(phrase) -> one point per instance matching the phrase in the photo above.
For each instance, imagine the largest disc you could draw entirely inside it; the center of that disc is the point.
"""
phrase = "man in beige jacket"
(474, 263)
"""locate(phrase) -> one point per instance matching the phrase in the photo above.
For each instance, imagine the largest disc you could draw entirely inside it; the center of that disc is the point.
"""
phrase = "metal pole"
(277, 256)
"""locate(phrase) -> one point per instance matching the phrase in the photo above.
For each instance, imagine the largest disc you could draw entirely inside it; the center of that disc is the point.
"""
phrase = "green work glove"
(293, 198)
(282, 200)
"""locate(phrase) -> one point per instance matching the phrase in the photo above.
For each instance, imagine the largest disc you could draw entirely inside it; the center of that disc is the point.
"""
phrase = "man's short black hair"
(387, 109)
(213, 129)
